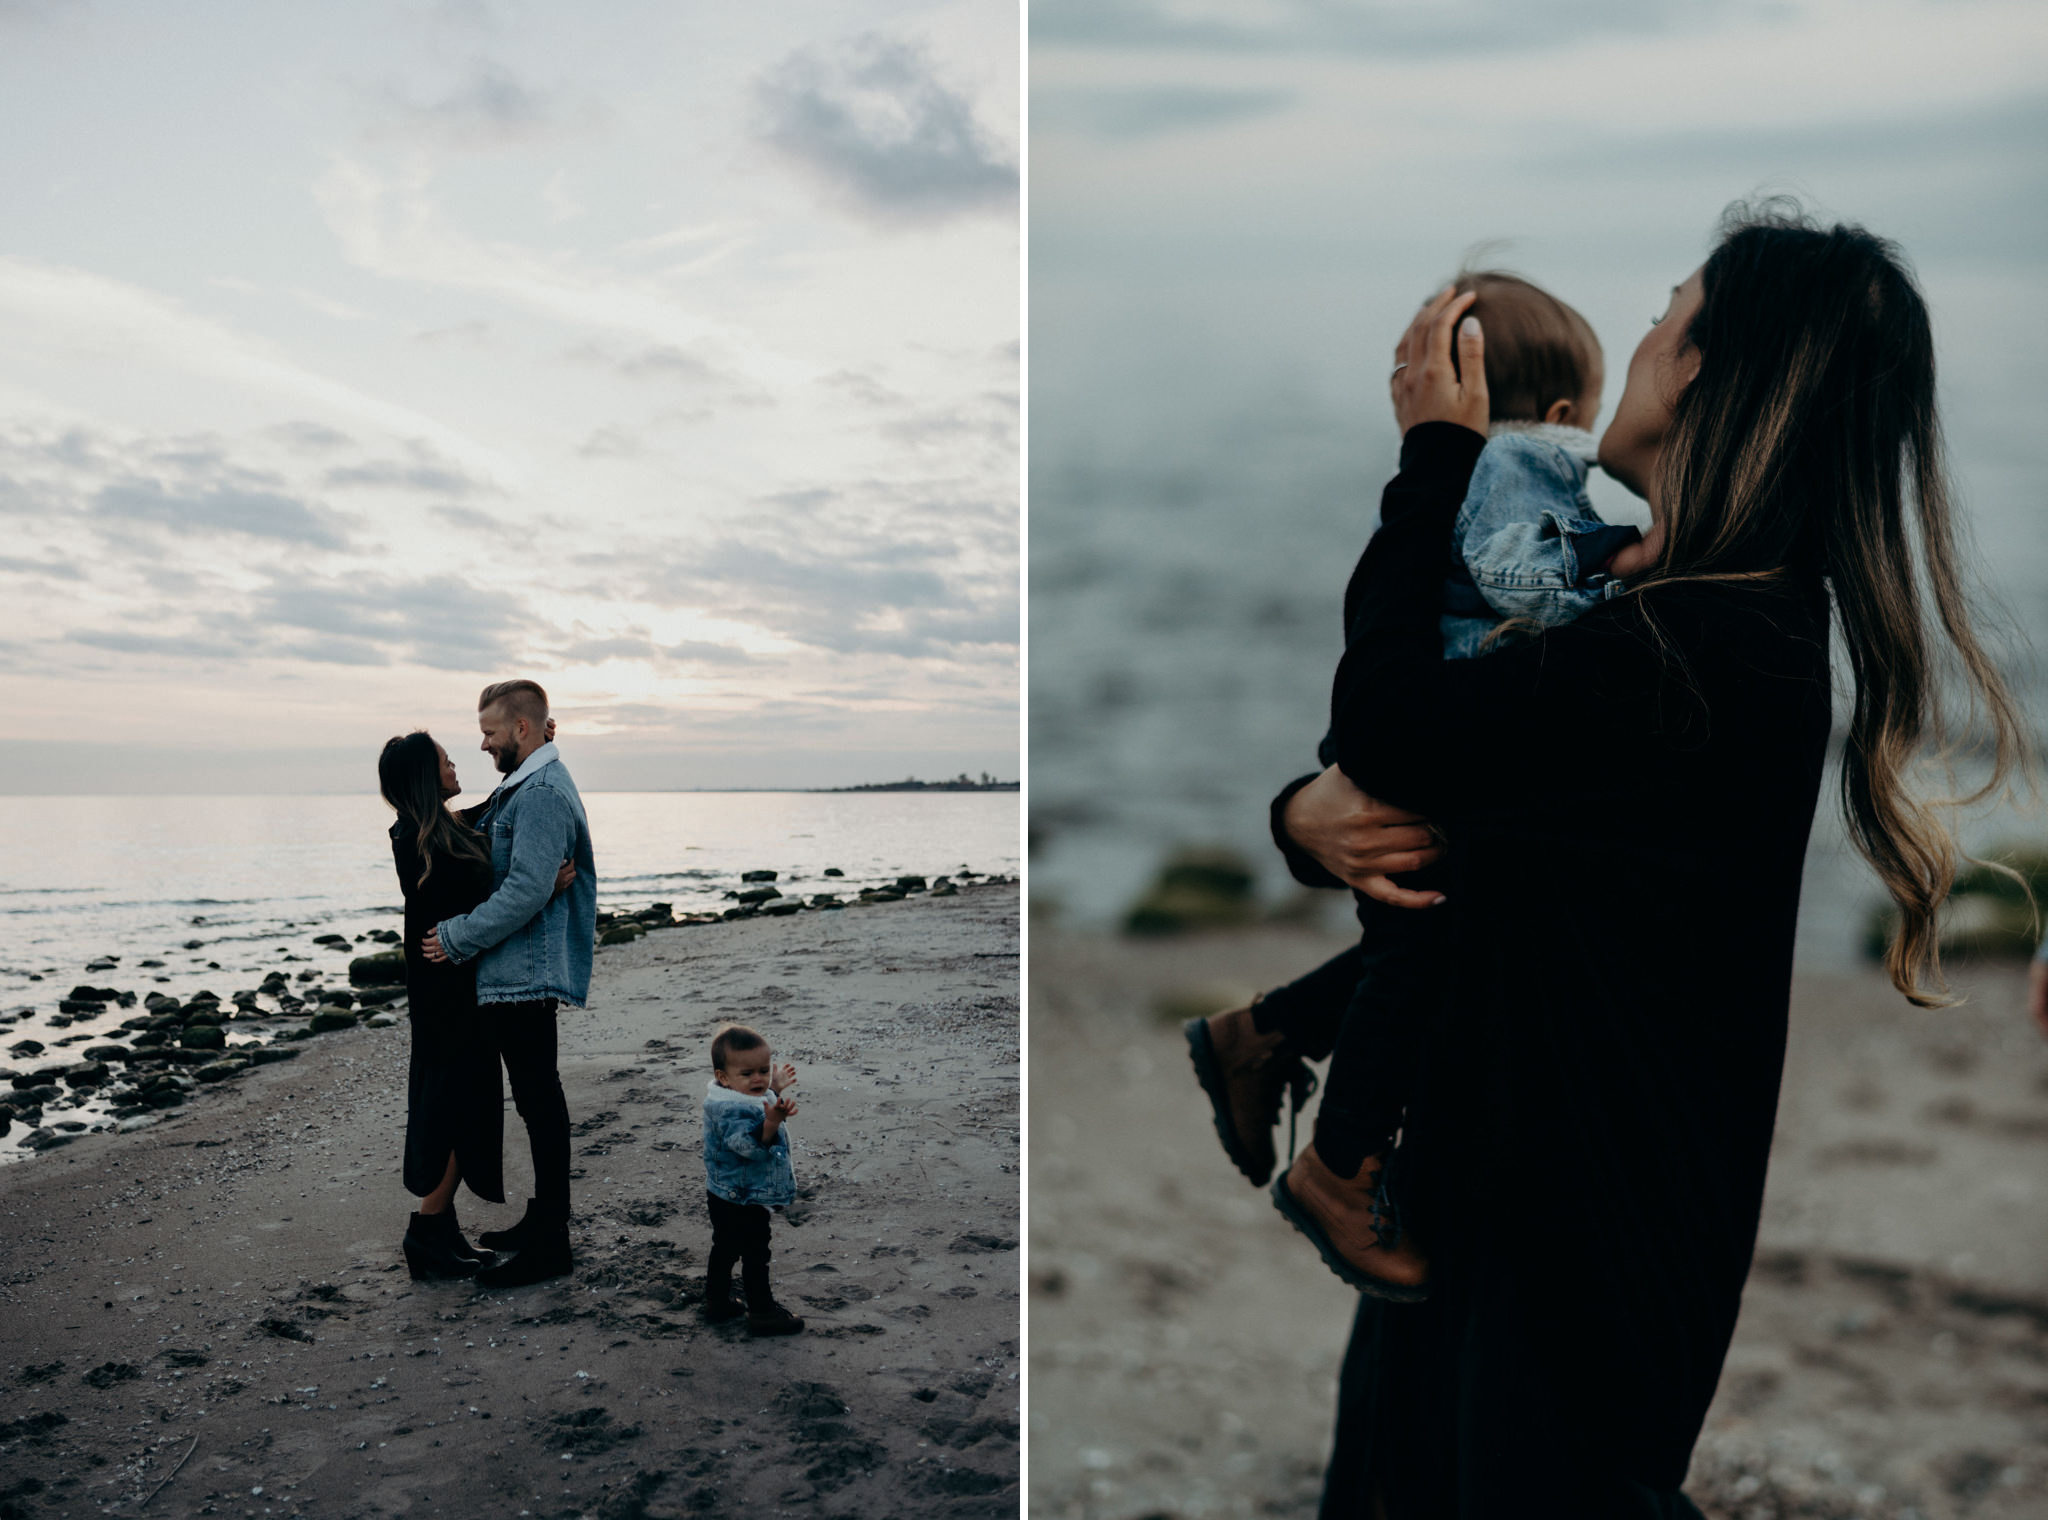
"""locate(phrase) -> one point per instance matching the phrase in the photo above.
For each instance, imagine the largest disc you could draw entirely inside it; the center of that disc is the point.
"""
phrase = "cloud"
(220, 509)
(50, 569)
(829, 586)
(439, 622)
(489, 108)
(884, 135)
(164, 644)
(1382, 26)
(310, 437)
(1156, 112)
(424, 471)
(77, 308)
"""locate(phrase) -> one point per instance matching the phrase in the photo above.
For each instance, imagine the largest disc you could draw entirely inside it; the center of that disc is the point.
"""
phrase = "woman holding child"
(1588, 1096)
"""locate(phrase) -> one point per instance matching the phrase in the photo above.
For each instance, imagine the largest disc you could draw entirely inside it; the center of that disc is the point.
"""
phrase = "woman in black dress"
(455, 1117)
(1627, 800)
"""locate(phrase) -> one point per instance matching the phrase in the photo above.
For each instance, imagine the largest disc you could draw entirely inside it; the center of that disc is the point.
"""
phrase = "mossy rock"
(204, 1037)
(382, 970)
(624, 934)
(784, 908)
(328, 1019)
(1196, 889)
(1988, 914)
(220, 1071)
(757, 895)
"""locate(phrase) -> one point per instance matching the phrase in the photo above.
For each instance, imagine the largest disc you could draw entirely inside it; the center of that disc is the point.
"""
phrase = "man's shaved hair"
(522, 699)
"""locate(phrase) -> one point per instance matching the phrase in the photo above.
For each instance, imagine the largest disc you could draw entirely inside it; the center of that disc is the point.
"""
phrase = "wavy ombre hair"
(1808, 445)
(409, 776)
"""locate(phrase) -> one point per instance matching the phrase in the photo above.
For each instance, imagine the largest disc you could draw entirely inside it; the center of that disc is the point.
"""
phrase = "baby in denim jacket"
(747, 1171)
(1528, 553)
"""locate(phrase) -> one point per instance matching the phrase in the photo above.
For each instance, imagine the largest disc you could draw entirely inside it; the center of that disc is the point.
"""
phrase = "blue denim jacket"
(534, 942)
(1527, 542)
(737, 1166)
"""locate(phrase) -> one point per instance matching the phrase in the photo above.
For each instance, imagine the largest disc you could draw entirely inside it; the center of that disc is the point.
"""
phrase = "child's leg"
(1373, 1065)
(725, 1250)
(1309, 1010)
(753, 1248)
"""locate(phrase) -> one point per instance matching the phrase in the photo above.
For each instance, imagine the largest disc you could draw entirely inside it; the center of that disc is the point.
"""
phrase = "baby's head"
(1543, 363)
(739, 1059)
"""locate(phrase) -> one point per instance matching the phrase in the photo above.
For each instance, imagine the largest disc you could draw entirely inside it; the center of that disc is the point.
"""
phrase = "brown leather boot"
(1353, 1224)
(1247, 1076)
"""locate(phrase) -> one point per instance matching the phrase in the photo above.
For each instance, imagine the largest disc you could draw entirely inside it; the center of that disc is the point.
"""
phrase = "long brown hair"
(409, 775)
(1808, 446)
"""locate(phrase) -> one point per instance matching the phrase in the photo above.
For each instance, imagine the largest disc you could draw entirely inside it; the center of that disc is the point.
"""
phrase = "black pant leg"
(1309, 1009)
(754, 1257)
(526, 1041)
(1372, 1068)
(725, 1250)
(739, 1233)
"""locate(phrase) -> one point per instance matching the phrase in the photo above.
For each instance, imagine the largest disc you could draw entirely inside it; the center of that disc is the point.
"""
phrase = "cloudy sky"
(352, 356)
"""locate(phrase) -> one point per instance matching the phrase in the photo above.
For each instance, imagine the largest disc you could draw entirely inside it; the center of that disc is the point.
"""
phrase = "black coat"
(454, 1097)
(1627, 800)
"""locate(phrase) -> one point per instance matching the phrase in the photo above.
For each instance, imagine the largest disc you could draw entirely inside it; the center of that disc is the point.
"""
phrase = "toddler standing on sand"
(747, 1170)
(1528, 553)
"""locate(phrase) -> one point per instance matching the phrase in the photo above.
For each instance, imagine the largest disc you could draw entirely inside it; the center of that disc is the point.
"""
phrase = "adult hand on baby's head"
(1360, 840)
(1426, 386)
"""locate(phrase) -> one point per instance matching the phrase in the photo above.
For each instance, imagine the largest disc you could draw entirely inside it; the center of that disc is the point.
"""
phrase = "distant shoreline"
(912, 784)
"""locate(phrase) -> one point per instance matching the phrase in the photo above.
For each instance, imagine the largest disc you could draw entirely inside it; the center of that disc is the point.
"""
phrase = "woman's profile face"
(450, 787)
(1658, 373)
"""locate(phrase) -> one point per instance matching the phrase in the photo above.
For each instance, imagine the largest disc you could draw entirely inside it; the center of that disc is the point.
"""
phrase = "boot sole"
(1336, 1260)
(421, 1269)
(1209, 1072)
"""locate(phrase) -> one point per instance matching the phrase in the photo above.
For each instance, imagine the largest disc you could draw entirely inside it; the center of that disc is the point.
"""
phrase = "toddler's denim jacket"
(737, 1166)
(1527, 543)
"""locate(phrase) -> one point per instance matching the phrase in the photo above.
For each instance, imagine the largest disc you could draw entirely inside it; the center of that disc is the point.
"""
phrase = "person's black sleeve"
(1301, 865)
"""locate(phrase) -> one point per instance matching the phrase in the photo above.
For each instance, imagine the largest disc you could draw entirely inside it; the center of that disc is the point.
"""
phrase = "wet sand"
(224, 1291)
(1892, 1357)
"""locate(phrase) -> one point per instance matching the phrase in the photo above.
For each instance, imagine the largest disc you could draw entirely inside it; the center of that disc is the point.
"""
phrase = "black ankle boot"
(513, 1237)
(457, 1244)
(430, 1251)
(544, 1254)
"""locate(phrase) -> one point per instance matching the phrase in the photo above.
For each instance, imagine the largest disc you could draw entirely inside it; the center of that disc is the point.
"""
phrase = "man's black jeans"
(525, 1034)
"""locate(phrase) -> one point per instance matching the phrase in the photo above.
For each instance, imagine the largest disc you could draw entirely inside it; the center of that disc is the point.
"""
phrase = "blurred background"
(1235, 205)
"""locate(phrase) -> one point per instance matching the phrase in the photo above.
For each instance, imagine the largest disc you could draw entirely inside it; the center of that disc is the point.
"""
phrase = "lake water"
(252, 880)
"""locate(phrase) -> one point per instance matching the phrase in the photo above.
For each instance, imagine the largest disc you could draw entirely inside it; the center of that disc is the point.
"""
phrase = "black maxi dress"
(1627, 800)
(454, 1095)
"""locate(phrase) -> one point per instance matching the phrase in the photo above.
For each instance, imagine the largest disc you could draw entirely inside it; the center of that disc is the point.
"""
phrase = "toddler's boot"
(1354, 1225)
(773, 1320)
(1247, 1075)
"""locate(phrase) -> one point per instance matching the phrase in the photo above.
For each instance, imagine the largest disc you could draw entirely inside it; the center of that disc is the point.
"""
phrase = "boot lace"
(1301, 1083)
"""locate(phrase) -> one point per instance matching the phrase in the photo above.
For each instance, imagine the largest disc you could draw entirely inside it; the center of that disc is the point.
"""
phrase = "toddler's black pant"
(739, 1233)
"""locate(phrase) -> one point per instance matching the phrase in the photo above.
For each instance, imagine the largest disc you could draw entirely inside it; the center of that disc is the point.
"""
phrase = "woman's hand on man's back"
(1362, 841)
(1427, 386)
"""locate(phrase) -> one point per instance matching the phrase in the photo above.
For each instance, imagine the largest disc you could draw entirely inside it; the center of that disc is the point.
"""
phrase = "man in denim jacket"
(533, 948)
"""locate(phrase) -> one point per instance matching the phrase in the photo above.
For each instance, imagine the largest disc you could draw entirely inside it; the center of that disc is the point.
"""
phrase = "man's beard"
(506, 759)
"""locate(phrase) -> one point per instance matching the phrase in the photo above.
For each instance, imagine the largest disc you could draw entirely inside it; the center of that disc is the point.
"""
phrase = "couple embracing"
(500, 921)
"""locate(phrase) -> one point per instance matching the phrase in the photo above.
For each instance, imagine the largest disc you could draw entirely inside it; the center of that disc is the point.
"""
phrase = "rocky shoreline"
(167, 1050)
(210, 1317)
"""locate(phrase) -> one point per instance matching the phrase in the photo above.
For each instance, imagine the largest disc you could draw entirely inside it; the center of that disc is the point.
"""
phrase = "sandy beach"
(1892, 1357)
(209, 1316)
